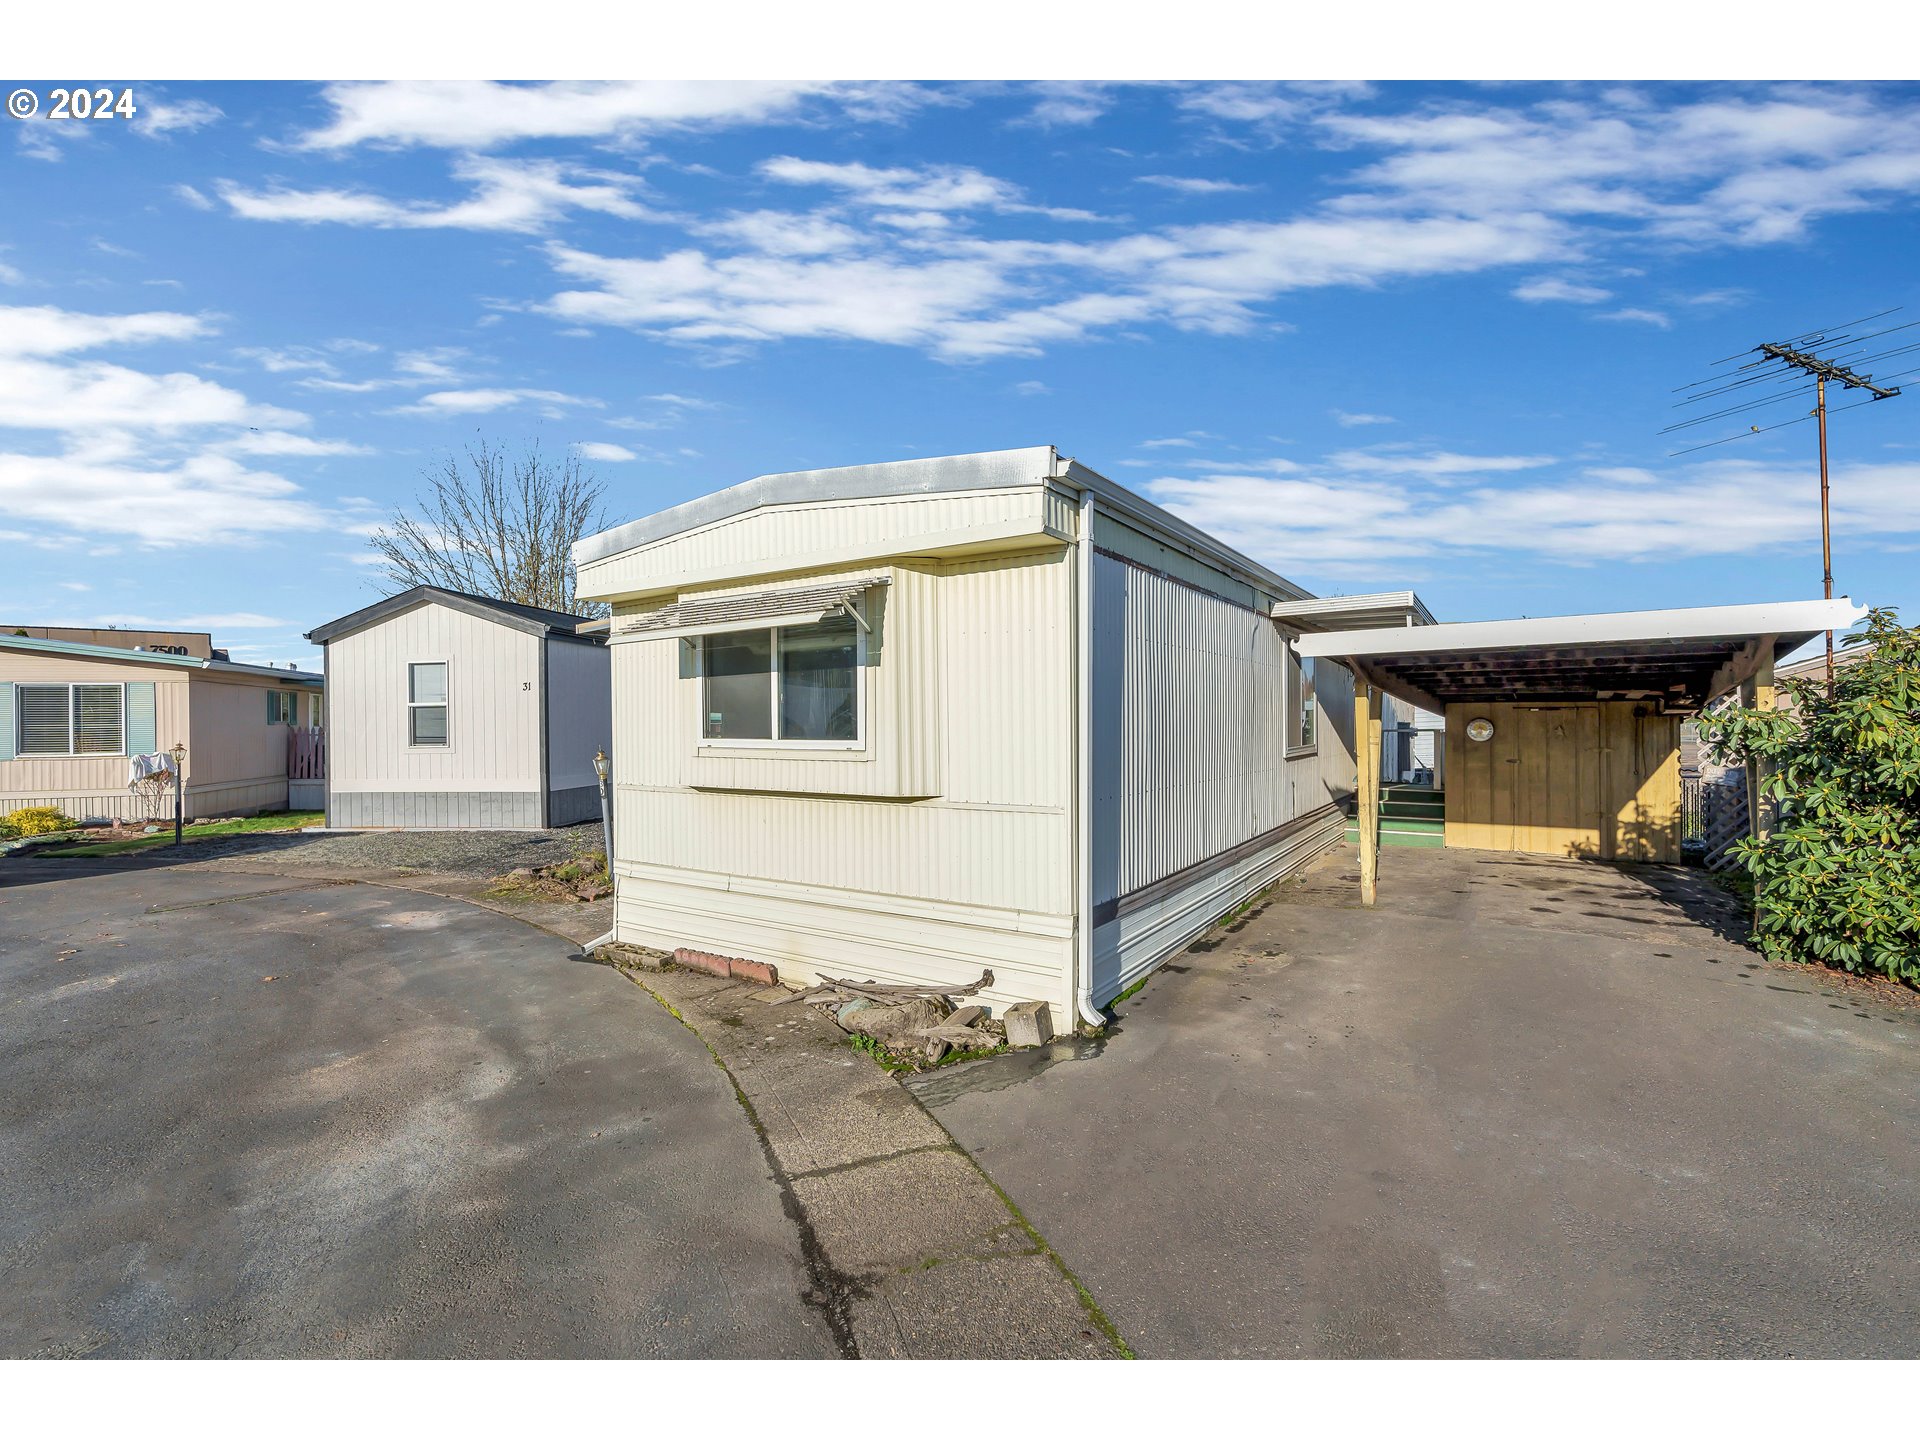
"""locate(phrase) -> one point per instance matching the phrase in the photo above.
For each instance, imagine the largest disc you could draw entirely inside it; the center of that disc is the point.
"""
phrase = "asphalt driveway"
(267, 1116)
(1525, 1107)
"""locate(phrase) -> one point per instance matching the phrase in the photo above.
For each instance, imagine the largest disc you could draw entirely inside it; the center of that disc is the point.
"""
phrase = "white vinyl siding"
(427, 704)
(70, 720)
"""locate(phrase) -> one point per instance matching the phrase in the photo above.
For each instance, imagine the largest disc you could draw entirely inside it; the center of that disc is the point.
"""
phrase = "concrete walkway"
(1525, 1107)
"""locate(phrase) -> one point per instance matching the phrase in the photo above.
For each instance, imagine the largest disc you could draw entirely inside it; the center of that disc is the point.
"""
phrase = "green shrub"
(37, 820)
(1838, 880)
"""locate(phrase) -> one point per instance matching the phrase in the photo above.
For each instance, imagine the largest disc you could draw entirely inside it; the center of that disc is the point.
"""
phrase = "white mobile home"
(457, 711)
(911, 720)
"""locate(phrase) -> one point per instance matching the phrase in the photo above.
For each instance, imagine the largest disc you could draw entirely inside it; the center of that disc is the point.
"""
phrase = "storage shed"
(458, 711)
(911, 720)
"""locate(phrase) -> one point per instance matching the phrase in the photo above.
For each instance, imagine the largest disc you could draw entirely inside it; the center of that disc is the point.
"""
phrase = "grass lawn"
(286, 820)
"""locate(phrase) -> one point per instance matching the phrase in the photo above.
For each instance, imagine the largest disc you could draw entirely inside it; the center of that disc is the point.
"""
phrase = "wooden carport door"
(1534, 787)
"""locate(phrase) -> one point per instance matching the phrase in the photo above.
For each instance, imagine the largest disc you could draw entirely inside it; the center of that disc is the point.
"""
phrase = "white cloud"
(933, 187)
(480, 114)
(515, 195)
(164, 117)
(1175, 442)
(1432, 464)
(598, 450)
(1193, 185)
(10, 276)
(1069, 102)
(476, 402)
(1640, 317)
(1032, 387)
(1323, 521)
(227, 620)
(148, 456)
(193, 197)
(1553, 288)
(202, 500)
(1352, 418)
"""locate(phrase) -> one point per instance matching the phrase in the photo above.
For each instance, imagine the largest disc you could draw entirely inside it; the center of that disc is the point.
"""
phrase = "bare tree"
(497, 526)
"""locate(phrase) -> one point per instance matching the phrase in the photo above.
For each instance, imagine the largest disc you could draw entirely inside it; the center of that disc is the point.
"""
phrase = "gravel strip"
(480, 853)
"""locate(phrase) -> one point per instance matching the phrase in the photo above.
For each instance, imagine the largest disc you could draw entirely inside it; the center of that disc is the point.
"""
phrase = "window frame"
(1308, 744)
(444, 704)
(20, 689)
(859, 742)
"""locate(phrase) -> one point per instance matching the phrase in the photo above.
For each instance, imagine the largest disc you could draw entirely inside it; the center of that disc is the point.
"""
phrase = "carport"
(1563, 733)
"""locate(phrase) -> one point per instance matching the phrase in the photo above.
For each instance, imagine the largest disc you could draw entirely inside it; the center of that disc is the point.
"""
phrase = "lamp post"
(179, 753)
(603, 767)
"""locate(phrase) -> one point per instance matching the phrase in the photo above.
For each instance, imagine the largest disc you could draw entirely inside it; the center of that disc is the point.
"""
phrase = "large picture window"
(71, 720)
(427, 704)
(799, 684)
(1303, 713)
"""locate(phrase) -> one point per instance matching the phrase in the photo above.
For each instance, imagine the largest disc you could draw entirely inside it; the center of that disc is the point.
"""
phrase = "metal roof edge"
(100, 652)
(1780, 618)
(932, 475)
(1151, 517)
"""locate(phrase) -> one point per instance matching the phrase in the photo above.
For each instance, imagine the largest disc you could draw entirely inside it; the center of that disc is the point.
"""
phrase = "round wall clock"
(1480, 729)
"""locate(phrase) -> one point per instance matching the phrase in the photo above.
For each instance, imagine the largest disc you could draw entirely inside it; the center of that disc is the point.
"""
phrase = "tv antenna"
(1803, 363)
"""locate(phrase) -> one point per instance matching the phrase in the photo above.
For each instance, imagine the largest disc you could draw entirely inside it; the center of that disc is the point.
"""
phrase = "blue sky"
(1377, 336)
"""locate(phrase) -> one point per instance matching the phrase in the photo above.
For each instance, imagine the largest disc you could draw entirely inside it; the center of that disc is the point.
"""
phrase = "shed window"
(71, 720)
(1303, 713)
(280, 707)
(427, 703)
(798, 683)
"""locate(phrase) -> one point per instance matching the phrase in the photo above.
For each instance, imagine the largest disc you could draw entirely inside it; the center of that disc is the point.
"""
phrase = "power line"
(1796, 361)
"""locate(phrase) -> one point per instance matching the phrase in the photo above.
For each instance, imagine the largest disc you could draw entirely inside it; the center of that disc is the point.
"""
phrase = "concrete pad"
(1522, 1107)
(886, 1215)
(1018, 1308)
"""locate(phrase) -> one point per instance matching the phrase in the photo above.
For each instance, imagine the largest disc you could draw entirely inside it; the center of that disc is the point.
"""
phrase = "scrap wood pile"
(908, 1018)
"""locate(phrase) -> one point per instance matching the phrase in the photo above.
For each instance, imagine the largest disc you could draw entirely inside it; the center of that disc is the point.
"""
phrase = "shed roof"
(1681, 658)
(530, 618)
(1354, 612)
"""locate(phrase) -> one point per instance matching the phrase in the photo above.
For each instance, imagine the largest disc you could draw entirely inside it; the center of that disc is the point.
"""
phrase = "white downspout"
(1083, 767)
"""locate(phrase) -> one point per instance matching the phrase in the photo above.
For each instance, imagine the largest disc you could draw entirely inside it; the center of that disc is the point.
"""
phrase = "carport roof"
(1681, 658)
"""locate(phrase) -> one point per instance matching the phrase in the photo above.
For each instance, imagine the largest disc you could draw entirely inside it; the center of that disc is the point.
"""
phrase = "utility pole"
(1822, 371)
(1796, 361)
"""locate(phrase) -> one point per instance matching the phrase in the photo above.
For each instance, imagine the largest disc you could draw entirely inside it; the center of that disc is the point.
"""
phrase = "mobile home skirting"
(428, 809)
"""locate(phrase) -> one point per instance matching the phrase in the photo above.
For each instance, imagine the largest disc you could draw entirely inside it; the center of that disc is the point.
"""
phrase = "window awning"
(754, 610)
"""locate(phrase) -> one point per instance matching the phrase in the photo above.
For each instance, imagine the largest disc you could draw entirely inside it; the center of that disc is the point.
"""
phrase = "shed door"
(1534, 787)
(1596, 780)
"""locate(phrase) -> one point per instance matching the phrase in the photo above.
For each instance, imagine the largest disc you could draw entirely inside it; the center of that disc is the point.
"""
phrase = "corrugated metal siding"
(792, 537)
(1189, 760)
(1188, 755)
(493, 713)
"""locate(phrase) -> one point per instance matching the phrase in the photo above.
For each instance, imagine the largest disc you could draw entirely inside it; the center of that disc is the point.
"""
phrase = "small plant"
(1837, 882)
(38, 820)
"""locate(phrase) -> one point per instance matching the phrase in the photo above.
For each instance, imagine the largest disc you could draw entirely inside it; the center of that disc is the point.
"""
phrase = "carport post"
(1366, 730)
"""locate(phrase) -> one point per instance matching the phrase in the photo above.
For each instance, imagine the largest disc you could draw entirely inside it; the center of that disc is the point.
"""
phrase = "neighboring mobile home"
(912, 720)
(72, 714)
(458, 711)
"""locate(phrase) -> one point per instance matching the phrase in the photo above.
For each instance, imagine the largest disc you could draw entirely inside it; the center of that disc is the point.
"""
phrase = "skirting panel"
(575, 806)
(435, 809)
(198, 802)
(810, 932)
(306, 794)
(1160, 919)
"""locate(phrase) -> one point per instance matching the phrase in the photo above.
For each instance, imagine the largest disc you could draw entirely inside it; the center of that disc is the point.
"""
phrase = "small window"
(280, 709)
(799, 684)
(427, 704)
(71, 720)
(1303, 712)
(314, 710)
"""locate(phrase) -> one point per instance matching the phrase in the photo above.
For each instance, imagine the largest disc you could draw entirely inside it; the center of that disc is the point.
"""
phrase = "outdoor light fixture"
(600, 765)
(179, 753)
(1480, 729)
